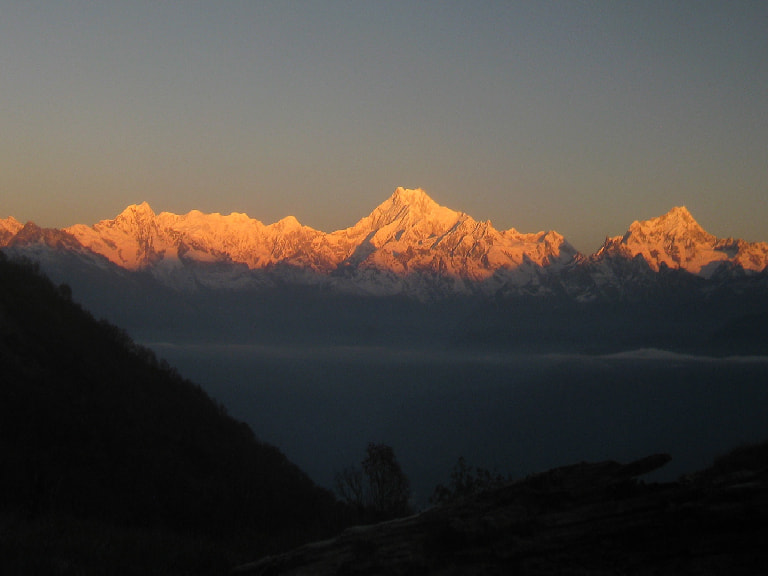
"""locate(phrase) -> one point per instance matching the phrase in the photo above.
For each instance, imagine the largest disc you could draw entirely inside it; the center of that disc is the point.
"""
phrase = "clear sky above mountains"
(578, 117)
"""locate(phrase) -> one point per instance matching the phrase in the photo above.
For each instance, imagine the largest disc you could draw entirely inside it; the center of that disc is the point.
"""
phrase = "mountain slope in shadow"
(104, 448)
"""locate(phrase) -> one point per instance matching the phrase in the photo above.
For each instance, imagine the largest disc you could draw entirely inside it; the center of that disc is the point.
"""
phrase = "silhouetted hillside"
(104, 448)
(584, 519)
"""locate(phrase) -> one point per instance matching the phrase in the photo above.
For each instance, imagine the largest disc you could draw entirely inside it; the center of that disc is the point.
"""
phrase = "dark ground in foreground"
(582, 519)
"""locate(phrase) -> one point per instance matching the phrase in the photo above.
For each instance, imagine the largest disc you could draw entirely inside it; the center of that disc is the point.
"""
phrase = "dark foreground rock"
(589, 518)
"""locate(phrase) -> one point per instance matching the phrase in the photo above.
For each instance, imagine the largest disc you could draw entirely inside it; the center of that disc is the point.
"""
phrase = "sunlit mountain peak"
(287, 223)
(681, 212)
(678, 219)
(9, 227)
(407, 208)
(143, 209)
(675, 240)
(10, 223)
(678, 222)
(412, 197)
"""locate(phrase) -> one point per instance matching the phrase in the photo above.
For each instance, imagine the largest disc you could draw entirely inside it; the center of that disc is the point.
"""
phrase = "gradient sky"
(574, 116)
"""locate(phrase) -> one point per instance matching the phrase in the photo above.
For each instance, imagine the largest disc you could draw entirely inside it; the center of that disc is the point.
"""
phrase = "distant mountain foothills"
(409, 249)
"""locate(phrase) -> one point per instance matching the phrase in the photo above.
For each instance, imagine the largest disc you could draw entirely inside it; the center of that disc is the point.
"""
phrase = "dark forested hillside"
(103, 447)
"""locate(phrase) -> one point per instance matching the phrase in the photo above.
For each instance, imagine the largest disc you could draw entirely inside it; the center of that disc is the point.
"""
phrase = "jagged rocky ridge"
(409, 245)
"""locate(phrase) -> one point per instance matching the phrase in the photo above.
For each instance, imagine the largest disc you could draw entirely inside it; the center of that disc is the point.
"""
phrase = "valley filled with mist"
(514, 413)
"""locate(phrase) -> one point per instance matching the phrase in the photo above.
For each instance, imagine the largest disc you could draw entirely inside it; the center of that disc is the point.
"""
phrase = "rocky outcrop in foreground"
(583, 519)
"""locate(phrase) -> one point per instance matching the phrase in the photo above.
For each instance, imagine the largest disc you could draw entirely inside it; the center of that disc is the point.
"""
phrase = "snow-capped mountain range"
(408, 245)
(676, 240)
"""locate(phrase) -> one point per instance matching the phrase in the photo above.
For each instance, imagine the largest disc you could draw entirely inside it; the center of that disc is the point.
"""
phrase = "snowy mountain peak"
(10, 224)
(416, 198)
(143, 210)
(406, 209)
(679, 212)
(32, 234)
(676, 240)
(9, 227)
(678, 221)
(136, 219)
(131, 240)
(287, 224)
(674, 227)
